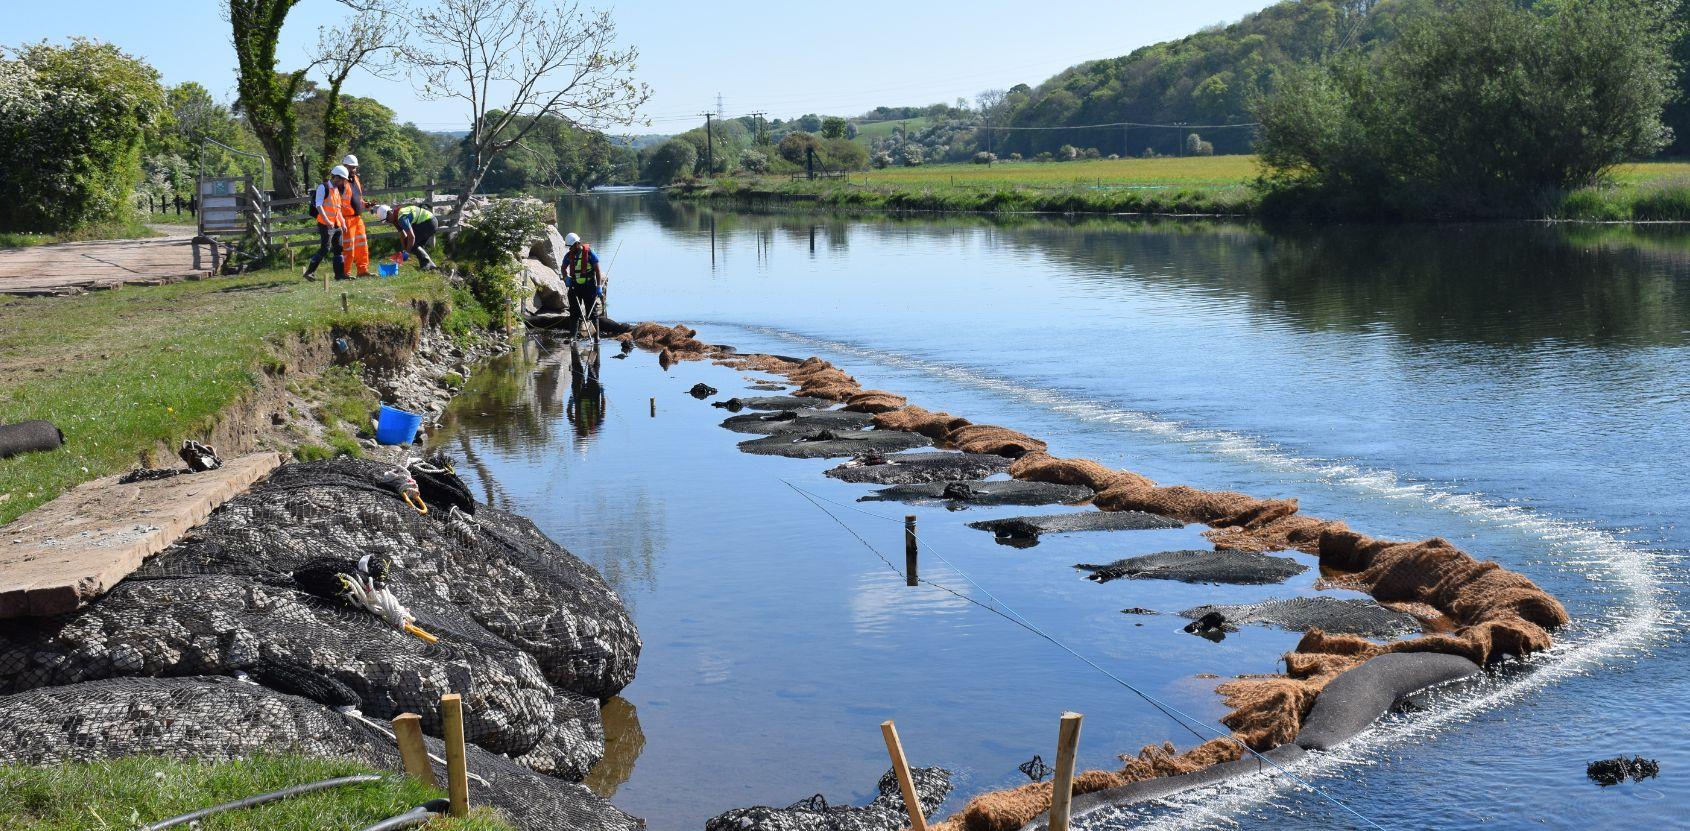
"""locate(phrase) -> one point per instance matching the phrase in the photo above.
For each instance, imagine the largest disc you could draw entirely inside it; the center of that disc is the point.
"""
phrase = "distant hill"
(640, 142)
(1206, 78)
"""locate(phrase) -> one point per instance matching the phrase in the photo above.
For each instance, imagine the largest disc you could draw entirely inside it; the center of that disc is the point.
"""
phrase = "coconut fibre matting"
(1349, 616)
(797, 421)
(918, 468)
(978, 492)
(885, 813)
(1242, 568)
(218, 718)
(530, 636)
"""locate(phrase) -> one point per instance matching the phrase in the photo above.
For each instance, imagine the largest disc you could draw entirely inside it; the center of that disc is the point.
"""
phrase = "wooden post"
(407, 730)
(457, 769)
(910, 576)
(654, 408)
(1062, 787)
(906, 783)
(343, 305)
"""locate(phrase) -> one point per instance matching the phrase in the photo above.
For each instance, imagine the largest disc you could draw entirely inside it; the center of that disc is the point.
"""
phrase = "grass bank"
(122, 794)
(1640, 192)
(123, 371)
(131, 229)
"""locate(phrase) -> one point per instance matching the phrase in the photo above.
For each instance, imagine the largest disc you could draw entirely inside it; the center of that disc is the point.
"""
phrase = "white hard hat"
(572, 238)
(340, 171)
(382, 211)
(350, 160)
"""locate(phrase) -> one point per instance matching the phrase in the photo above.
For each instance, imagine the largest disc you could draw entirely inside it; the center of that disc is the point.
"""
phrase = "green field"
(869, 132)
(1215, 172)
(1643, 191)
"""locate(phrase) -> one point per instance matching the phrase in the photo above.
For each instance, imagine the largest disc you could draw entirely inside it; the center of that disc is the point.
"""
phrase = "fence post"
(407, 730)
(457, 769)
(1062, 787)
(906, 783)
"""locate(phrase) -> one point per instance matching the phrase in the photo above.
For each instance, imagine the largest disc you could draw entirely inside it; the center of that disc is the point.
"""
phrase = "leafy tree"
(833, 127)
(73, 121)
(671, 161)
(792, 147)
(1485, 108)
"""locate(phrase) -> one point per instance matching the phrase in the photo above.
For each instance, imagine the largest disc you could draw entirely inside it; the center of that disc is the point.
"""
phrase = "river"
(1520, 390)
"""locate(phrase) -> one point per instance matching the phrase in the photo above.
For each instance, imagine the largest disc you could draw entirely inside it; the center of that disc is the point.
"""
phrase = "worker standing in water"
(330, 204)
(587, 281)
(416, 230)
(357, 236)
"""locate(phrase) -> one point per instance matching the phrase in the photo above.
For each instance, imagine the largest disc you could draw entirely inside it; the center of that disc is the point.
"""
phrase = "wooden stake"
(343, 306)
(654, 408)
(1062, 787)
(906, 783)
(910, 577)
(457, 768)
(407, 729)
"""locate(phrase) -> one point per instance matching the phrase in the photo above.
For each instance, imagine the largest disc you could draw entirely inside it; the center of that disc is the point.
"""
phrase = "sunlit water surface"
(1518, 390)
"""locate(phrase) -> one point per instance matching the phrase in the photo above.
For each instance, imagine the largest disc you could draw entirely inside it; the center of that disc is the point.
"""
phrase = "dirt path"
(78, 267)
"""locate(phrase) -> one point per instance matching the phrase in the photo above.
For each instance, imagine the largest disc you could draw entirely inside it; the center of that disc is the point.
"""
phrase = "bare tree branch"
(516, 62)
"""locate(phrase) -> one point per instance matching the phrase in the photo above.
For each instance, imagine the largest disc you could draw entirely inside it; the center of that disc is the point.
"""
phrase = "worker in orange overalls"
(330, 204)
(357, 237)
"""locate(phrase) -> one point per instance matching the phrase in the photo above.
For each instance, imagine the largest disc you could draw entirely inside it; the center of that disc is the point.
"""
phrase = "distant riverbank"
(1215, 185)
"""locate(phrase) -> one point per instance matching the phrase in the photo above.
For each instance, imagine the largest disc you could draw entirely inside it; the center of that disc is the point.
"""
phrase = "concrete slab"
(64, 554)
(80, 267)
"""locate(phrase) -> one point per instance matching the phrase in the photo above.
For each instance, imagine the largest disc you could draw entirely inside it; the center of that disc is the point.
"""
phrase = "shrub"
(983, 157)
(72, 122)
(1067, 153)
(754, 160)
(487, 247)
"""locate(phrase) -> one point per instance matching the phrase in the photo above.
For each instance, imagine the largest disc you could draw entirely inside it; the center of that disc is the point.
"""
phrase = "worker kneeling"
(416, 231)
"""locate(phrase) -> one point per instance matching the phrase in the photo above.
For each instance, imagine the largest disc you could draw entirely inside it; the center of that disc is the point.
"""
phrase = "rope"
(1008, 613)
(261, 799)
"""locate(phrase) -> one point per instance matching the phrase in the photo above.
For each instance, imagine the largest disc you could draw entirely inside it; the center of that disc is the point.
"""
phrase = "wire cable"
(260, 799)
(1008, 613)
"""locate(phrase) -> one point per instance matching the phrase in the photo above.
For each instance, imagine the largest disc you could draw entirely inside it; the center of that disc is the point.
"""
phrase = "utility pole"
(709, 147)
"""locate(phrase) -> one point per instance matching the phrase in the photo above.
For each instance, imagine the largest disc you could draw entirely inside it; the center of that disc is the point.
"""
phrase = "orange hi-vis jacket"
(337, 206)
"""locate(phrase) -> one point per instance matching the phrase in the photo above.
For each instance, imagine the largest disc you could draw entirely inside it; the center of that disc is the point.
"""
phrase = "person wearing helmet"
(586, 280)
(357, 237)
(416, 230)
(329, 204)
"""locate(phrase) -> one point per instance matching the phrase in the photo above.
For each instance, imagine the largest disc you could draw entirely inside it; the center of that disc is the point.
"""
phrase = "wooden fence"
(234, 208)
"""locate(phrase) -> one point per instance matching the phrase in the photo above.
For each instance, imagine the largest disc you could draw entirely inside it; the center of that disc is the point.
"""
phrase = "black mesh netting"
(221, 718)
(885, 813)
(531, 636)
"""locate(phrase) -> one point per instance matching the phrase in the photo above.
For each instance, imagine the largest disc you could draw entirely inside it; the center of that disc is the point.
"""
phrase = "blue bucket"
(388, 269)
(395, 426)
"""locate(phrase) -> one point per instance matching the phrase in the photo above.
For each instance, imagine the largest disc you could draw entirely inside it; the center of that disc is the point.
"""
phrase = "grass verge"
(131, 229)
(122, 794)
(122, 371)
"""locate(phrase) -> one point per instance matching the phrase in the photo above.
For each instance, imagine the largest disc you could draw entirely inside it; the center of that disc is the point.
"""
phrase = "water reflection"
(623, 742)
(1505, 285)
(587, 402)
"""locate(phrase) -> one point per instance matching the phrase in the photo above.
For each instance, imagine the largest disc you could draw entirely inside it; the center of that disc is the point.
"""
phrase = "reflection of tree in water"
(623, 742)
(629, 532)
(587, 402)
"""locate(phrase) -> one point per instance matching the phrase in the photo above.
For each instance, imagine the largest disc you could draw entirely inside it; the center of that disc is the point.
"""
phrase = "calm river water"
(1519, 390)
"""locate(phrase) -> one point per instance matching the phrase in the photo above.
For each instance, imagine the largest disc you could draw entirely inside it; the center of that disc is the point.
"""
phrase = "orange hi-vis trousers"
(357, 246)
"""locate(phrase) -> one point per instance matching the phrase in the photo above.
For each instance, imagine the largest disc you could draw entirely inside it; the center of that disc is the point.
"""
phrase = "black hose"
(262, 798)
(419, 815)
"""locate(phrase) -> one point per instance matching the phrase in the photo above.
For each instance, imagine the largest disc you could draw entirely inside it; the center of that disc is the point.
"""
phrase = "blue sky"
(783, 58)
